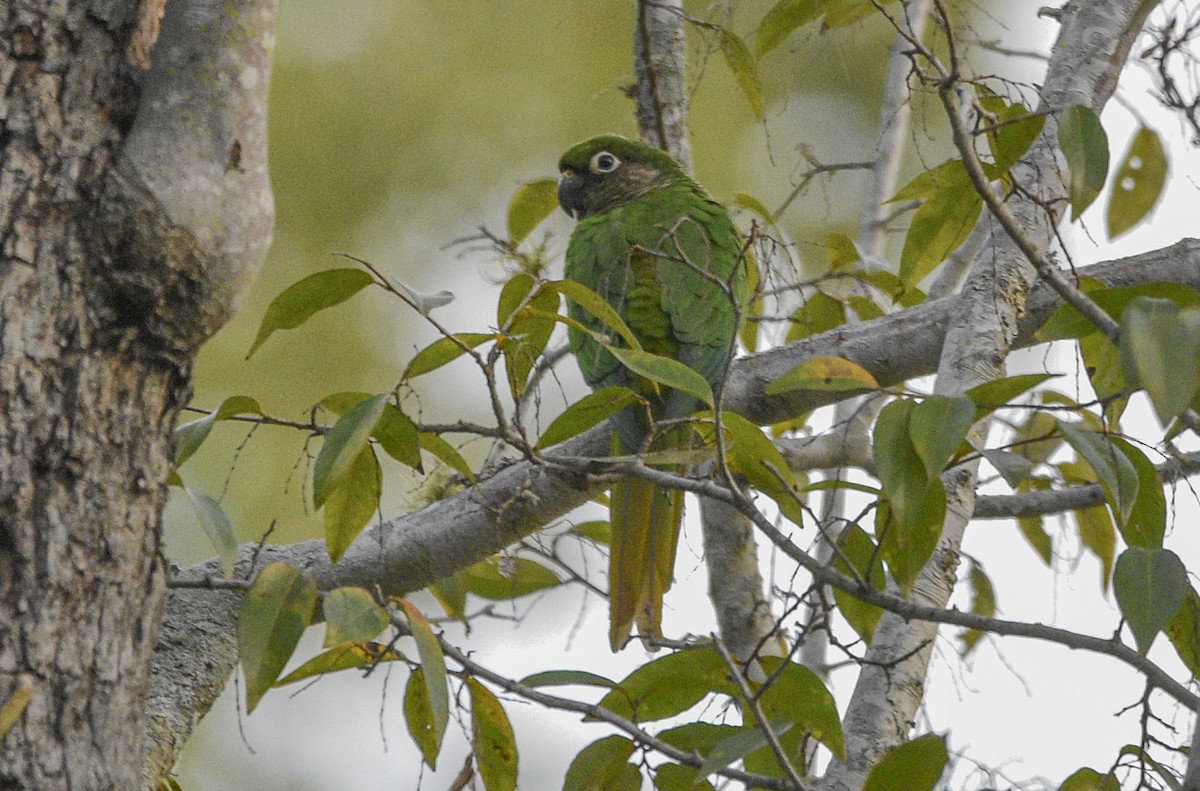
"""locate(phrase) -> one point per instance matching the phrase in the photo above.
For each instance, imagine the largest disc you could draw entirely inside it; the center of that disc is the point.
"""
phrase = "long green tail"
(645, 532)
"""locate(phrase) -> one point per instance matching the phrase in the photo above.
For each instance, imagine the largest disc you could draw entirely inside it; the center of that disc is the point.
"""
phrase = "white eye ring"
(604, 162)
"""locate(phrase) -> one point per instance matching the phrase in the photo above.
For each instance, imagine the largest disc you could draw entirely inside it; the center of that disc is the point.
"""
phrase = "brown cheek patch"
(640, 174)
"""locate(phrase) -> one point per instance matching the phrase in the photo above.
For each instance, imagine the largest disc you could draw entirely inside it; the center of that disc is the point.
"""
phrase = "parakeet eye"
(604, 162)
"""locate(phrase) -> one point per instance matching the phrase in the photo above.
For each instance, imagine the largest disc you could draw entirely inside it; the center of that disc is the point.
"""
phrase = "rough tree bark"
(134, 206)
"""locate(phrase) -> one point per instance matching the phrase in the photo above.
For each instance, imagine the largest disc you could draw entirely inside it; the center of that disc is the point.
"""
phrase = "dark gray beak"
(570, 193)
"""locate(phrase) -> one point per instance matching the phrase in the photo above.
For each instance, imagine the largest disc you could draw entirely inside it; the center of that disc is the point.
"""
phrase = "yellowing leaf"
(857, 552)
(274, 614)
(299, 301)
(1138, 182)
(352, 616)
(1085, 146)
(602, 766)
(508, 578)
(446, 453)
(190, 435)
(420, 719)
(782, 19)
(665, 371)
(530, 204)
(492, 739)
(348, 656)
(744, 67)
(596, 305)
(939, 227)
(444, 350)
(433, 665)
(835, 374)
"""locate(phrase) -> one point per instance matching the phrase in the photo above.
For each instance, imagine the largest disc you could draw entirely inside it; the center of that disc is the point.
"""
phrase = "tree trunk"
(107, 288)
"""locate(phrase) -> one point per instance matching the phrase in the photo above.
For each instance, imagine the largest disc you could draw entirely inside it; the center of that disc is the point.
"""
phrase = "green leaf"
(819, 313)
(567, 678)
(983, 602)
(673, 777)
(1118, 477)
(352, 616)
(782, 19)
(1151, 585)
(1148, 518)
(348, 656)
(419, 718)
(451, 593)
(597, 306)
(669, 685)
(1138, 182)
(395, 431)
(829, 374)
(1085, 146)
(190, 435)
(1088, 779)
(857, 551)
(351, 503)
(744, 67)
(599, 531)
(1160, 349)
(345, 441)
(299, 301)
(939, 226)
(277, 609)
(216, 526)
(1013, 136)
(665, 371)
(587, 412)
(1184, 632)
(433, 663)
(937, 427)
(446, 453)
(602, 766)
(518, 577)
(992, 395)
(492, 739)
(797, 695)
(528, 330)
(912, 766)
(1031, 526)
(1013, 467)
(442, 351)
(752, 204)
(739, 745)
(1099, 536)
(1067, 322)
(530, 204)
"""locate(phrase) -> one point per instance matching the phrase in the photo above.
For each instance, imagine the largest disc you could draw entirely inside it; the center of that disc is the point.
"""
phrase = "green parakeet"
(653, 244)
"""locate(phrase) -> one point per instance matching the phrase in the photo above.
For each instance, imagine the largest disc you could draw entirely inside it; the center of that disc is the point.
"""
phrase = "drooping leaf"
(1015, 132)
(419, 718)
(444, 350)
(298, 302)
(949, 176)
(530, 204)
(782, 19)
(446, 453)
(992, 395)
(1160, 349)
(1138, 182)
(394, 430)
(668, 685)
(217, 527)
(797, 695)
(1118, 477)
(1085, 146)
(664, 371)
(277, 609)
(190, 435)
(856, 550)
(937, 427)
(983, 602)
(752, 204)
(345, 441)
(508, 578)
(830, 374)
(348, 656)
(1013, 467)
(911, 766)
(352, 616)
(1031, 526)
(908, 545)
(819, 313)
(451, 593)
(1151, 585)
(528, 331)
(492, 740)
(587, 412)
(433, 663)
(752, 453)
(1148, 518)
(563, 678)
(1067, 322)
(1098, 534)
(351, 503)
(603, 766)
(744, 68)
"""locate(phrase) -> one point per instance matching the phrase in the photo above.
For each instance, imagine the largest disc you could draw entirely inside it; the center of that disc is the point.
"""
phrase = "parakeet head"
(604, 172)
